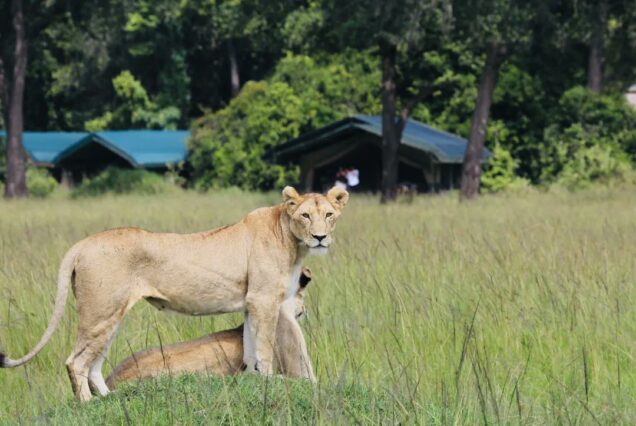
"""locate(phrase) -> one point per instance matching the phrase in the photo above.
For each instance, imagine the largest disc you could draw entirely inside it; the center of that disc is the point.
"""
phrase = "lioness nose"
(319, 237)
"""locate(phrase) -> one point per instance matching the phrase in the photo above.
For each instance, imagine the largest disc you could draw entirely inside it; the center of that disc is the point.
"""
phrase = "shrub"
(123, 181)
(227, 147)
(597, 163)
(500, 172)
(40, 183)
(590, 139)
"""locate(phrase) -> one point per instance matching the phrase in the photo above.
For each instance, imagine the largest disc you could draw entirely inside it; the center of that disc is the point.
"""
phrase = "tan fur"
(221, 353)
(249, 266)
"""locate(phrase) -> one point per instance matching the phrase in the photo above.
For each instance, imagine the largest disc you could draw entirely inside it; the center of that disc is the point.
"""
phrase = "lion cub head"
(313, 216)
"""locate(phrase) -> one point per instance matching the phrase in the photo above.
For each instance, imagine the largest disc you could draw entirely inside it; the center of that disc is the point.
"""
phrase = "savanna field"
(514, 309)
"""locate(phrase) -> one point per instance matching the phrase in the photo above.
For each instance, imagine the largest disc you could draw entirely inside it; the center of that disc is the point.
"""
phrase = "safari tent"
(429, 158)
(73, 155)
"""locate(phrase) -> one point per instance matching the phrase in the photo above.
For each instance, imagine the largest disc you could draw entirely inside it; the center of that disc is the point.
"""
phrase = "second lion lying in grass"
(222, 353)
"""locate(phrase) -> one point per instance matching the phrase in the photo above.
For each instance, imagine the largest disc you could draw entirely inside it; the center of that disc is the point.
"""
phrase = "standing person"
(353, 177)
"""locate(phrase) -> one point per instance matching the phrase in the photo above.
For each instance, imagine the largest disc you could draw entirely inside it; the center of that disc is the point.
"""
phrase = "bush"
(595, 164)
(591, 138)
(40, 183)
(227, 146)
(124, 181)
(500, 172)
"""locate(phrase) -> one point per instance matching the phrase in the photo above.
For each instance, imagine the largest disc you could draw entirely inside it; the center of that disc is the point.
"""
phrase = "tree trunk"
(15, 182)
(595, 59)
(391, 129)
(471, 172)
(4, 94)
(235, 80)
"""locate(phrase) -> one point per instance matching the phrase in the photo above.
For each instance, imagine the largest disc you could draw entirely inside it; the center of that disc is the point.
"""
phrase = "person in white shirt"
(353, 177)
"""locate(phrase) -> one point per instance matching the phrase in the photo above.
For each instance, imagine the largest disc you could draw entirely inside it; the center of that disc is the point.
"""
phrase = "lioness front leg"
(260, 332)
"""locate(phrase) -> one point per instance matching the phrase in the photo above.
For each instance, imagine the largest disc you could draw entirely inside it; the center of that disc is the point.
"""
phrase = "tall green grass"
(511, 309)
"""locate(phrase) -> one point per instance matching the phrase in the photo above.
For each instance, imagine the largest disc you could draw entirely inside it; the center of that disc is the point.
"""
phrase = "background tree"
(598, 18)
(495, 26)
(160, 64)
(12, 81)
(399, 31)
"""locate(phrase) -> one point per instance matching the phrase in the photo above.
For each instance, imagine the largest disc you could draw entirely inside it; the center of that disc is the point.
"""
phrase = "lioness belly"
(199, 294)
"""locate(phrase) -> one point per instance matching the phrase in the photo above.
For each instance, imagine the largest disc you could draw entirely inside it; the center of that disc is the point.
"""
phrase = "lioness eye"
(306, 215)
(329, 214)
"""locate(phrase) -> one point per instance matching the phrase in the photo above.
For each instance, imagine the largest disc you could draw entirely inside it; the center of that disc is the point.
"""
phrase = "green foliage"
(302, 27)
(589, 138)
(227, 146)
(597, 163)
(135, 109)
(500, 172)
(452, 69)
(124, 181)
(160, 64)
(40, 183)
(519, 117)
(504, 21)
(331, 87)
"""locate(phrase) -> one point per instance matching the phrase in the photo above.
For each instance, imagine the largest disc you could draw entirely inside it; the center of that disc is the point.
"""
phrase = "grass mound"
(245, 399)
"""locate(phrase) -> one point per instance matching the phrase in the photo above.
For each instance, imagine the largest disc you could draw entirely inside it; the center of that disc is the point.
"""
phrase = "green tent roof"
(141, 148)
(444, 146)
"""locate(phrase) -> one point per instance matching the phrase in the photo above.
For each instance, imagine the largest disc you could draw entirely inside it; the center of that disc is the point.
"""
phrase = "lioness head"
(313, 216)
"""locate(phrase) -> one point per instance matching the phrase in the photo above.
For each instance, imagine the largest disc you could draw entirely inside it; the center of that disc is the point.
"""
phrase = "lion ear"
(305, 277)
(338, 197)
(291, 199)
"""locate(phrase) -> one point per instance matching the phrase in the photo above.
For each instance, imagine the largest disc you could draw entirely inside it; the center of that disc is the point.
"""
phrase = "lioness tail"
(63, 283)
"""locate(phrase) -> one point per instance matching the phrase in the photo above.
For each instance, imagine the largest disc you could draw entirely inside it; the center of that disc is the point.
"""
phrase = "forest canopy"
(246, 75)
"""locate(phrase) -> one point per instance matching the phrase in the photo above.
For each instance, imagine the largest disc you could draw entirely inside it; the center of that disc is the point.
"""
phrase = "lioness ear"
(338, 197)
(290, 197)
(305, 277)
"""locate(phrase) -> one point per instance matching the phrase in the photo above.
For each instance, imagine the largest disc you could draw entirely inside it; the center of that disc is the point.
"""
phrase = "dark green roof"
(140, 148)
(444, 146)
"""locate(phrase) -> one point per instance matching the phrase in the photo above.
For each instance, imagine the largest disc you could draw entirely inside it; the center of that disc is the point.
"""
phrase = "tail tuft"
(3, 357)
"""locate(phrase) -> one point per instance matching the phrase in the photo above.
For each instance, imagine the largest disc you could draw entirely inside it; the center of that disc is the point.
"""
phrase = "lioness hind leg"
(90, 347)
(96, 380)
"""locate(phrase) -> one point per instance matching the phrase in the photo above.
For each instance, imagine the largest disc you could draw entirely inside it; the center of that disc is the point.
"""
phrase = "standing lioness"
(253, 266)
